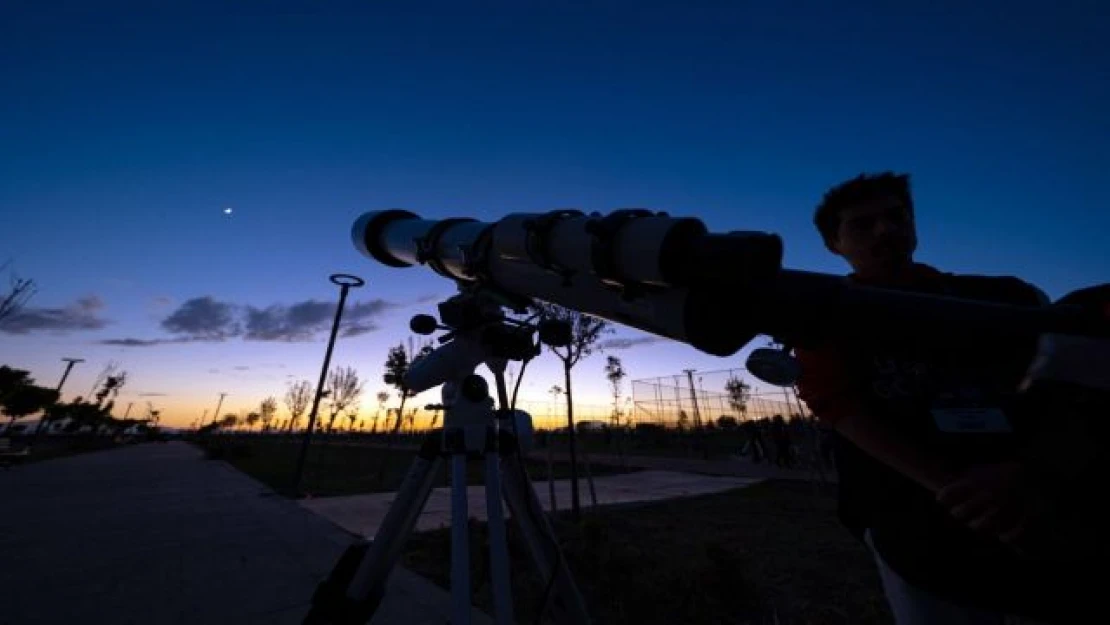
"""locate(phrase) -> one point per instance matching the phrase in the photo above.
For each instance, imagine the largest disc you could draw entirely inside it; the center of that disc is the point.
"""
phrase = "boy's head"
(869, 221)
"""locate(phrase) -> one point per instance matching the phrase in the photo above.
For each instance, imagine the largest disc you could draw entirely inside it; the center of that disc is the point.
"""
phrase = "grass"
(347, 469)
(771, 553)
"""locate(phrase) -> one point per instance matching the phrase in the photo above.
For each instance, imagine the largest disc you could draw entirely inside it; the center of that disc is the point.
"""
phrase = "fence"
(692, 397)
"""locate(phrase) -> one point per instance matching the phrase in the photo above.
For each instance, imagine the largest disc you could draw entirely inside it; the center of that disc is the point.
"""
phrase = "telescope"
(671, 277)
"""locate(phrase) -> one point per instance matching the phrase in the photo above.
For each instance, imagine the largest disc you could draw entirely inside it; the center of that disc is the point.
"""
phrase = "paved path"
(154, 534)
(362, 514)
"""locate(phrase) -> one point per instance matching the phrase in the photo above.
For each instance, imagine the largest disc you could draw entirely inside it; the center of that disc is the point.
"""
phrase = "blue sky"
(127, 128)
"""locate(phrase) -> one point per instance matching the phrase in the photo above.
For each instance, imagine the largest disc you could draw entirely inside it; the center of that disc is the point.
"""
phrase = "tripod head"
(477, 331)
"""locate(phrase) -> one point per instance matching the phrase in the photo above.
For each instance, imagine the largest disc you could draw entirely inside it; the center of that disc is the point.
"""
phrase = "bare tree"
(352, 416)
(297, 397)
(19, 291)
(110, 386)
(382, 397)
(614, 371)
(109, 370)
(266, 411)
(739, 392)
(585, 332)
(344, 388)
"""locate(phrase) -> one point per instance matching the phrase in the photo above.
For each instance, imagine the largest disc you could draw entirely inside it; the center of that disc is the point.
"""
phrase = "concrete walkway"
(154, 534)
(361, 514)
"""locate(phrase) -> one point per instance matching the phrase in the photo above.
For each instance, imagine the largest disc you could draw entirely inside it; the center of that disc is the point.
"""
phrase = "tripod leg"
(498, 543)
(460, 543)
(524, 505)
(351, 593)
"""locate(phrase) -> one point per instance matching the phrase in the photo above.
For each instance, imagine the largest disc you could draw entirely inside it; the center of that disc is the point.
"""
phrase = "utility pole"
(216, 414)
(128, 411)
(697, 414)
(694, 397)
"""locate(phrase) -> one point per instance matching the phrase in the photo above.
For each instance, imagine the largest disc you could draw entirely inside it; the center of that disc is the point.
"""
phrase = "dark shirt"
(909, 529)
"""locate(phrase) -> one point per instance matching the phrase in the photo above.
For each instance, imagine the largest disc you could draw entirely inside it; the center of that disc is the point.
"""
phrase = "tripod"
(472, 428)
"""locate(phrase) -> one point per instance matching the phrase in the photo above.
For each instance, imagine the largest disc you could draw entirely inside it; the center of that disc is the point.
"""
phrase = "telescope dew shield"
(398, 238)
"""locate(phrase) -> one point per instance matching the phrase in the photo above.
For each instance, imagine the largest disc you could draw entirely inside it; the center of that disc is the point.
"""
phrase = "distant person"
(896, 443)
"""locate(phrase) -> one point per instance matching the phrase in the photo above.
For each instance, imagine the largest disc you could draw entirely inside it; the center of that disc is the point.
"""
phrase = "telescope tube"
(632, 267)
(670, 277)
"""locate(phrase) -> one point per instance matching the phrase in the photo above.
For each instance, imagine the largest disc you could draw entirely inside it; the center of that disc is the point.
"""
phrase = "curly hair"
(861, 189)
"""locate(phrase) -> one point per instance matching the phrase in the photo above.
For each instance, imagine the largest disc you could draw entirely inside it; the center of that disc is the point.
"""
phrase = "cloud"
(131, 342)
(203, 318)
(153, 395)
(213, 371)
(625, 343)
(161, 302)
(304, 320)
(84, 314)
(208, 319)
(242, 368)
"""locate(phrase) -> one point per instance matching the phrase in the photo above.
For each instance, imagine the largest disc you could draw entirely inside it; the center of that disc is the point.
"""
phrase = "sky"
(127, 129)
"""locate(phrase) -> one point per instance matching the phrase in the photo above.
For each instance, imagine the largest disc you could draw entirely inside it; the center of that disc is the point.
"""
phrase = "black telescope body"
(671, 277)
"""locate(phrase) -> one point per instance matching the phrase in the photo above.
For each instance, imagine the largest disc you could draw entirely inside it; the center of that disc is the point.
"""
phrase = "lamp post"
(65, 374)
(345, 282)
(216, 414)
(69, 367)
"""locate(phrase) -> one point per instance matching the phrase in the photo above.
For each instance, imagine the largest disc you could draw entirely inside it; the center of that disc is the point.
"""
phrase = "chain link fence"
(693, 398)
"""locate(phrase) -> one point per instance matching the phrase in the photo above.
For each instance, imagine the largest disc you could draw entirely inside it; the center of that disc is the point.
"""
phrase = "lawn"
(345, 469)
(771, 553)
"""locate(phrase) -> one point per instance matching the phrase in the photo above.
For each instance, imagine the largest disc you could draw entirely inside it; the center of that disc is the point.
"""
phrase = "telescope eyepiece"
(423, 324)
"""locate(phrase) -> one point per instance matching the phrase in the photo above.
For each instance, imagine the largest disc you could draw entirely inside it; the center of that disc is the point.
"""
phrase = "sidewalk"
(154, 534)
(362, 514)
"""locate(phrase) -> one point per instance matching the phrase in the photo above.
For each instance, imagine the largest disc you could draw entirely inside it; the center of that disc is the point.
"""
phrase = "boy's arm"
(835, 396)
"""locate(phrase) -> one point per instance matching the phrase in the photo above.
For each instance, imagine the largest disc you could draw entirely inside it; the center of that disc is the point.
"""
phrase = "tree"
(727, 422)
(739, 392)
(352, 416)
(111, 385)
(266, 411)
(585, 331)
(19, 291)
(397, 363)
(382, 396)
(615, 373)
(229, 421)
(12, 379)
(109, 370)
(297, 397)
(252, 418)
(344, 388)
(25, 398)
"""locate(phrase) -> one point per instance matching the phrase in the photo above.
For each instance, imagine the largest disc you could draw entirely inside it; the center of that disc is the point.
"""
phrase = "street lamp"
(345, 282)
(69, 367)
